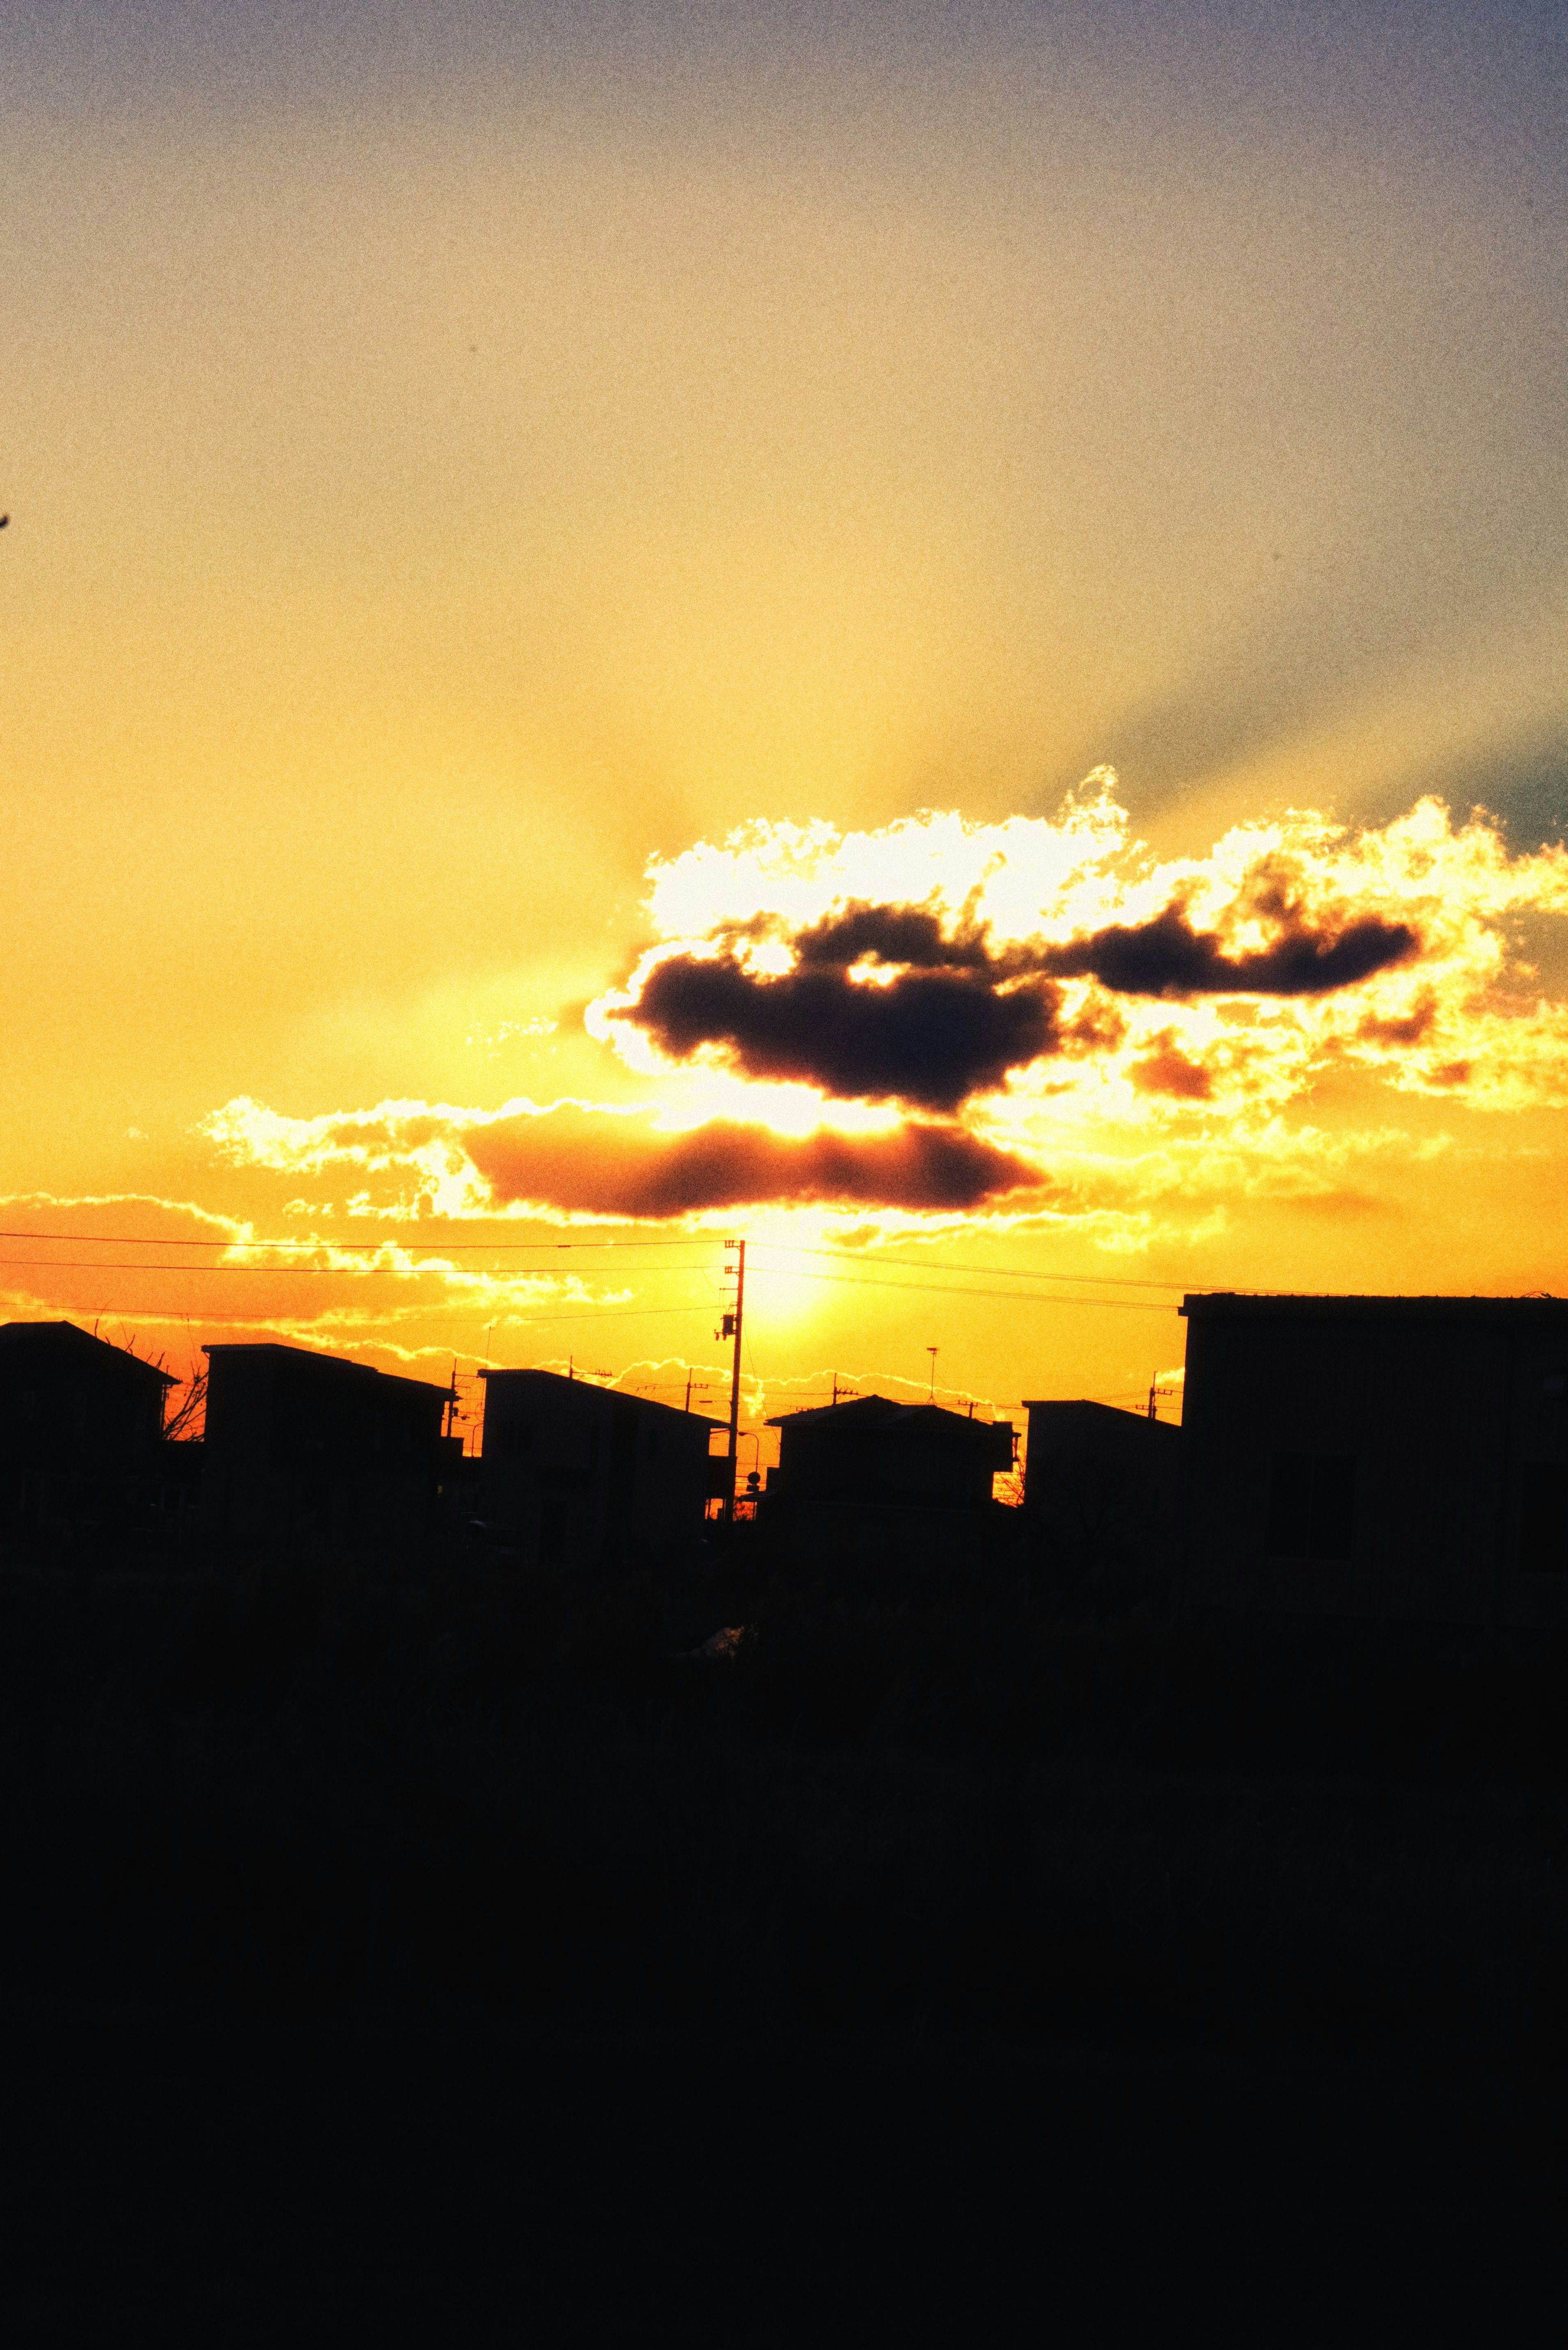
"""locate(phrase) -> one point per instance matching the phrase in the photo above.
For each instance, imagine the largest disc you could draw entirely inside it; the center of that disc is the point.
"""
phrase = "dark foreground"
(241, 2183)
(437, 1960)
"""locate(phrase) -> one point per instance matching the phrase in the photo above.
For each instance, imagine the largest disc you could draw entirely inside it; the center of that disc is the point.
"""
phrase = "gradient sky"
(458, 457)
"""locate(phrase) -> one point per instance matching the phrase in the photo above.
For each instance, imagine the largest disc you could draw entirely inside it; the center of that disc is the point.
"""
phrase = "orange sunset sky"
(935, 635)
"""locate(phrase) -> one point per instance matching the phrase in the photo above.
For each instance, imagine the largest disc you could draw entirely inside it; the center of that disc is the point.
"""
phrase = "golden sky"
(520, 517)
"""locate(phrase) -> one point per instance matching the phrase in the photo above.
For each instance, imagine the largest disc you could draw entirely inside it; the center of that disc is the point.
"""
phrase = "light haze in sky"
(468, 467)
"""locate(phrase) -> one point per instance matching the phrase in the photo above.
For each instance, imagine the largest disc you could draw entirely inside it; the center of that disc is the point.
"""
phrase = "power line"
(107, 1265)
(402, 1236)
(110, 1265)
(1014, 1296)
(390, 1239)
(589, 1313)
(993, 1272)
(844, 1280)
(613, 1312)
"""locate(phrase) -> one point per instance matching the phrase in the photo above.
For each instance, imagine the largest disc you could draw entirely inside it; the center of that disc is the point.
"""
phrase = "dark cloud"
(1167, 957)
(1408, 1031)
(955, 1016)
(927, 1036)
(1169, 1071)
(599, 1164)
(909, 935)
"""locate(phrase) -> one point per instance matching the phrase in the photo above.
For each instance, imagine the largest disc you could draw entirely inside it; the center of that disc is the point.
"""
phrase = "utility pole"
(1153, 1406)
(933, 1352)
(730, 1328)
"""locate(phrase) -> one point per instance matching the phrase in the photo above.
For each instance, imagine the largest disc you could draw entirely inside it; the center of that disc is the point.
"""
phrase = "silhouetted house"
(870, 1482)
(1378, 1456)
(577, 1476)
(307, 1447)
(1103, 1491)
(80, 1427)
(168, 1496)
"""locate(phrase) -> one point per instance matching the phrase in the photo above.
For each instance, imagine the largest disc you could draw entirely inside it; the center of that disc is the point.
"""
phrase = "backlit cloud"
(574, 1159)
(937, 963)
(584, 1160)
(944, 1020)
(1167, 956)
(930, 1037)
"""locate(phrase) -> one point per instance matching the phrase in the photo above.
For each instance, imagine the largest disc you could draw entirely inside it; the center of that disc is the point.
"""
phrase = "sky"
(935, 635)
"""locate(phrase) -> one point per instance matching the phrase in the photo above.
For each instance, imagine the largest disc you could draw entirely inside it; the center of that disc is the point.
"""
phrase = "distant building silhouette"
(1103, 1491)
(1378, 1456)
(583, 1477)
(80, 1427)
(308, 1446)
(870, 1482)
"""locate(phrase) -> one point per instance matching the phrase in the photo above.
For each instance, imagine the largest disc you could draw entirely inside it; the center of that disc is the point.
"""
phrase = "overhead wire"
(512, 1248)
(849, 1281)
(107, 1265)
(993, 1271)
(948, 1289)
(390, 1239)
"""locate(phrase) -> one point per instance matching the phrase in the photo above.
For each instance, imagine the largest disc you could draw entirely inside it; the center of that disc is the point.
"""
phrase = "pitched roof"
(1104, 1412)
(333, 1362)
(868, 1413)
(592, 1386)
(1056, 1413)
(66, 1341)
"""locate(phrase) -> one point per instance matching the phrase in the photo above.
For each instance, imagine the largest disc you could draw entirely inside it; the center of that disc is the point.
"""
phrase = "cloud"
(1167, 957)
(573, 1158)
(911, 935)
(597, 1163)
(879, 1002)
(145, 1215)
(1408, 1030)
(1167, 1070)
(932, 1037)
(414, 1144)
(940, 964)
(1027, 1019)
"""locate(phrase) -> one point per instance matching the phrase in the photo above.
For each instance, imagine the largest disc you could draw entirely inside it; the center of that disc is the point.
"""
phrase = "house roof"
(64, 1340)
(592, 1386)
(869, 1412)
(334, 1362)
(1087, 1407)
(1527, 1313)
